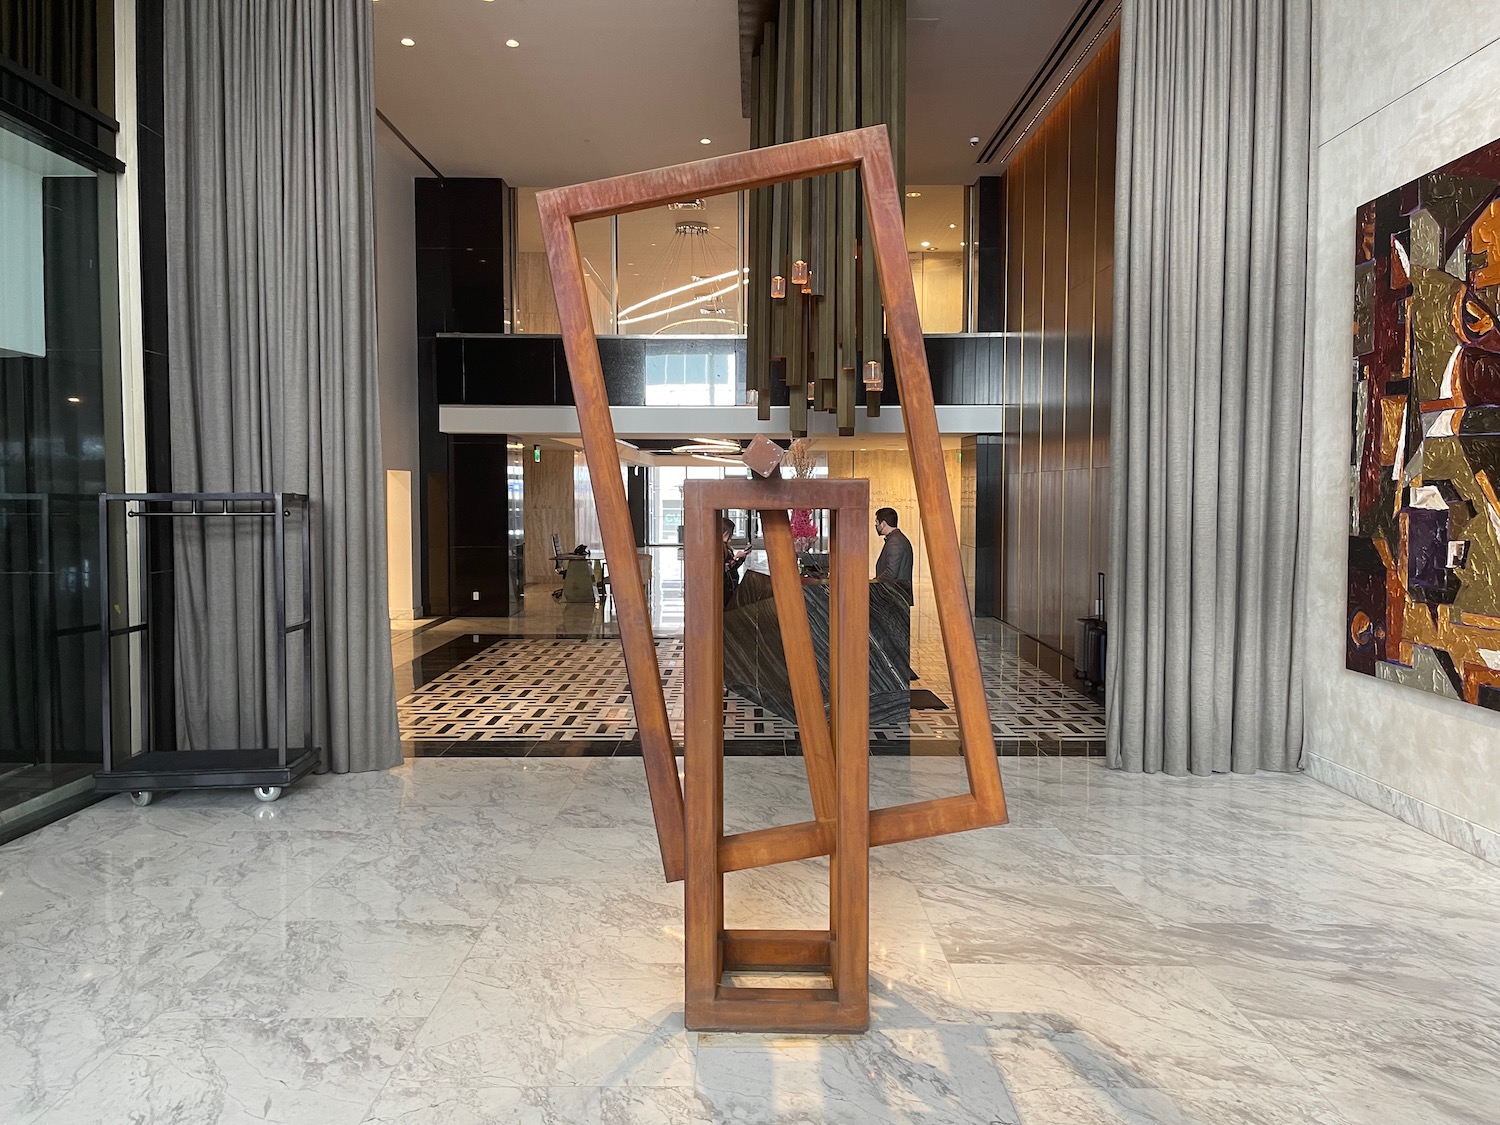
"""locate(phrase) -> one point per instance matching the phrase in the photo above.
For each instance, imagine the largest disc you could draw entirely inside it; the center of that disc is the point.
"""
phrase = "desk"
(755, 663)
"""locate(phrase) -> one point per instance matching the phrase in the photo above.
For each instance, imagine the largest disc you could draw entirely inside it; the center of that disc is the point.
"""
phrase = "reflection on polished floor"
(465, 942)
(551, 682)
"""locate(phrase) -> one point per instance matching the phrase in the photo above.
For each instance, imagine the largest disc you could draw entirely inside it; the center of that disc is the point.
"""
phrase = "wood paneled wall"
(549, 511)
(1053, 496)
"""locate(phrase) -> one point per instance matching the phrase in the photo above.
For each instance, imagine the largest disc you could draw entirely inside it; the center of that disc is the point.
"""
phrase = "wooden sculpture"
(690, 834)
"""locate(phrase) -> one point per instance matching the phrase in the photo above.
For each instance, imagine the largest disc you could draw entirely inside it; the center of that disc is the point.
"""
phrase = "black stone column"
(990, 258)
(989, 520)
(460, 288)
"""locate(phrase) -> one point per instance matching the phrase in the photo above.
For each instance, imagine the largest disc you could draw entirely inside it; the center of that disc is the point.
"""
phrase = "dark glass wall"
(58, 451)
(59, 394)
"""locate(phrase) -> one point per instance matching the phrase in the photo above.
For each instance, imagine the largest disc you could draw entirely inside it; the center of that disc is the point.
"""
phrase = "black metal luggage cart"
(267, 769)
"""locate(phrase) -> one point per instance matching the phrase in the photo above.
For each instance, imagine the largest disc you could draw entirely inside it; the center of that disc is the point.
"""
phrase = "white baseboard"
(1449, 827)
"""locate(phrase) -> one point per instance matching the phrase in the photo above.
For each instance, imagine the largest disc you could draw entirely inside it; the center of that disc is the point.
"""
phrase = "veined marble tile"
(887, 1076)
(587, 925)
(403, 1104)
(1056, 925)
(60, 1018)
(362, 970)
(501, 1023)
(627, 855)
(1215, 888)
(1145, 1026)
(1473, 838)
(449, 865)
(187, 1070)
(1271, 988)
(1432, 1071)
(1126, 1106)
(989, 857)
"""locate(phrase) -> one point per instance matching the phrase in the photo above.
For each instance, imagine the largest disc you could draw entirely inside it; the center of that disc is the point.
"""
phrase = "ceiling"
(596, 88)
(602, 87)
(967, 63)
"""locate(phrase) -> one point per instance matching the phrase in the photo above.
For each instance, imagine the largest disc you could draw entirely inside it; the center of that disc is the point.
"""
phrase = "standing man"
(896, 556)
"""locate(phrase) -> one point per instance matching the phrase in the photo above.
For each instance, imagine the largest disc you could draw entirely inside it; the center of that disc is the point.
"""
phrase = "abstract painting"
(1424, 545)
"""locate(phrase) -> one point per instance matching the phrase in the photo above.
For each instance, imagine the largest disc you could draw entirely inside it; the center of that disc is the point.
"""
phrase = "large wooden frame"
(867, 151)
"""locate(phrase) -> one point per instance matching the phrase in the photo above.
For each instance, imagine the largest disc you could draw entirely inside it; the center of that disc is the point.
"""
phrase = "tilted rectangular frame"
(867, 151)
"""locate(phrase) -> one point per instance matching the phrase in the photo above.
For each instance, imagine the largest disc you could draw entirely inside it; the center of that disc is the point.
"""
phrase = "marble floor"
(467, 941)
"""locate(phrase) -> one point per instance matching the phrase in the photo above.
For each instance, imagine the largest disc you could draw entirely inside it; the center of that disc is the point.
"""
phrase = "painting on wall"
(1424, 545)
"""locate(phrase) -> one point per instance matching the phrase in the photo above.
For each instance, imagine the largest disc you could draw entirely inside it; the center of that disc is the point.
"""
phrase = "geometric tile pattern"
(528, 689)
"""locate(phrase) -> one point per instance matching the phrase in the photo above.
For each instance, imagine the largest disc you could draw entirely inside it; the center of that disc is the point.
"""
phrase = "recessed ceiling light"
(408, 42)
(914, 195)
(705, 141)
(74, 398)
(952, 226)
(512, 42)
(925, 244)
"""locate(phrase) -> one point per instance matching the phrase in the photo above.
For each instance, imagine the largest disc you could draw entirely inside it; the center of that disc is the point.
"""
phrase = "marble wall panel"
(549, 510)
(1403, 91)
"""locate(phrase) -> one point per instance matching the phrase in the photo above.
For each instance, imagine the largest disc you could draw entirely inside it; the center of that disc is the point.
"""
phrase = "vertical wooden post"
(849, 868)
(703, 761)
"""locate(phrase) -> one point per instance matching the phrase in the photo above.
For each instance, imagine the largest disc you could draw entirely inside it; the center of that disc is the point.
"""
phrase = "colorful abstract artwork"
(1424, 545)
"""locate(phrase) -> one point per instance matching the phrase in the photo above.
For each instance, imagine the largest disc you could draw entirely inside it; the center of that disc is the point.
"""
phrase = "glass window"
(681, 269)
(59, 448)
(535, 307)
(691, 379)
(935, 245)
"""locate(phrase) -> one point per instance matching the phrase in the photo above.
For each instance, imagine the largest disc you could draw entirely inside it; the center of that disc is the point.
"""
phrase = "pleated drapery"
(1204, 668)
(271, 305)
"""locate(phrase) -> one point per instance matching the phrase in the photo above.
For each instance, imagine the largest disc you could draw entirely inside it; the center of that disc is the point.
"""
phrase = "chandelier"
(709, 302)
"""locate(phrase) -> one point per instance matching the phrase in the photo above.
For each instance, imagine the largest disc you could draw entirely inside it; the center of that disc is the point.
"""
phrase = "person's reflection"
(733, 560)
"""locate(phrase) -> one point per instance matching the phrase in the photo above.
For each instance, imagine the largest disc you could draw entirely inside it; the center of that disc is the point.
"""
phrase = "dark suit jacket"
(896, 561)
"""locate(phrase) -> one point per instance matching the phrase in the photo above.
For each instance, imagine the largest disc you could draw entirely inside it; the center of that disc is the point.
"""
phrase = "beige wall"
(549, 510)
(396, 343)
(892, 486)
(1404, 87)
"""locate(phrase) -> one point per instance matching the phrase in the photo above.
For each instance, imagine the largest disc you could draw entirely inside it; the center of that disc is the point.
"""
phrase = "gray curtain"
(1204, 670)
(271, 305)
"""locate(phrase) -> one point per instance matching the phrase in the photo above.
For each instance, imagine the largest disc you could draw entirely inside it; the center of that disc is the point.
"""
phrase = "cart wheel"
(267, 793)
(142, 799)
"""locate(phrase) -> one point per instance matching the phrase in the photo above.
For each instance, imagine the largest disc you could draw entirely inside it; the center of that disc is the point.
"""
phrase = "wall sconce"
(778, 286)
(812, 390)
(799, 272)
(874, 377)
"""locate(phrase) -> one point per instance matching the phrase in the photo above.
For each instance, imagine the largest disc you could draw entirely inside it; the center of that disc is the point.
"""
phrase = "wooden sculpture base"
(835, 746)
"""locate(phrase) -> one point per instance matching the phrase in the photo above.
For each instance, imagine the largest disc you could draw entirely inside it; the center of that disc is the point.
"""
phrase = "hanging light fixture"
(799, 272)
(778, 286)
(874, 377)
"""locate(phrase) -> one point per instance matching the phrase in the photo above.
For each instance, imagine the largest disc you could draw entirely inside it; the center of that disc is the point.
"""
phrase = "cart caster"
(267, 793)
(141, 799)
